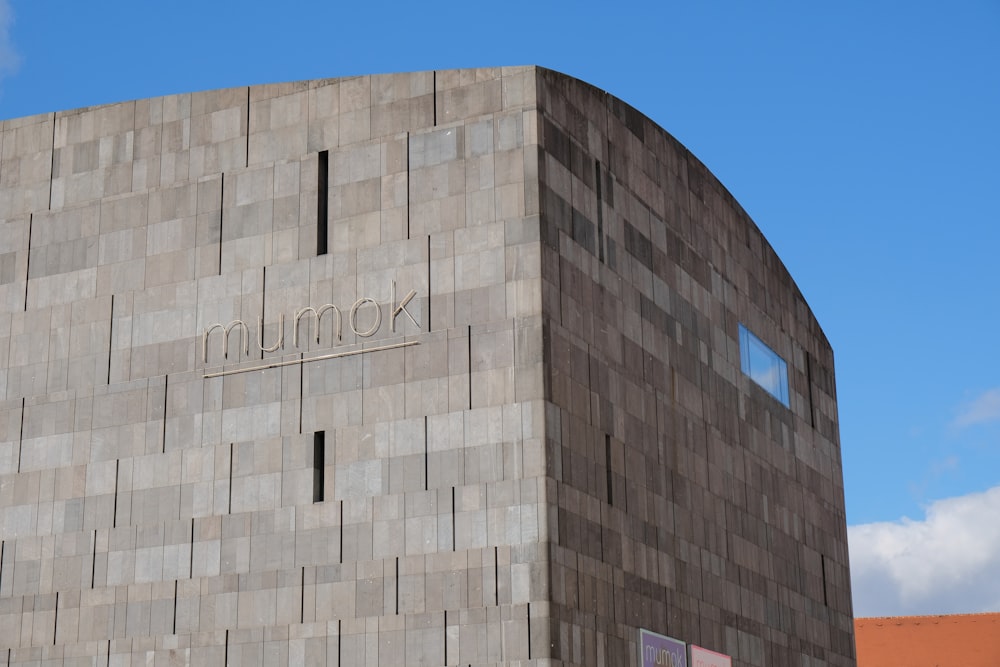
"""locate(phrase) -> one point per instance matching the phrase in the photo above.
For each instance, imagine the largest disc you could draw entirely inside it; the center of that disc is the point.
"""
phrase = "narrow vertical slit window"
(319, 465)
(822, 561)
(322, 197)
(763, 365)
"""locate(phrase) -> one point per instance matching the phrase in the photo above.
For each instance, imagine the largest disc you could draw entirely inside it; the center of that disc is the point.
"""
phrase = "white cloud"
(984, 408)
(947, 563)
(9, 60)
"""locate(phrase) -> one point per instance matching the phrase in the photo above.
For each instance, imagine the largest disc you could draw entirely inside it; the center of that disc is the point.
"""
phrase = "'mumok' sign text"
(364, 318)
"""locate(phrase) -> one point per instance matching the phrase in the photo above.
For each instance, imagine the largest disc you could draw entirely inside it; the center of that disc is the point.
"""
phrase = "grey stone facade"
(517, 433)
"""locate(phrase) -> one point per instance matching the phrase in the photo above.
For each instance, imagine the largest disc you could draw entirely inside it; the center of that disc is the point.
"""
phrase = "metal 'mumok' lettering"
(364, 323)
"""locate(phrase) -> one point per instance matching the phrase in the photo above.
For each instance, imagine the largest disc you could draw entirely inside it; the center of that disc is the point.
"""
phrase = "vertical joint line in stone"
(52, 159)
(600, 211)
(20, 435)
(453, 518)
(562, 463)
(602, 542)
(263, 310)
(426, 455)
(822, 564)
(302, 597)
(229, 509)
(496, 576)
(809, 381)
(607, 141)
(624, 480)
(131, 319)
(322, 202)
(225, 654)
(529, 629)
(397, 585)
(222, 204)
(302, 398)
(248, 128)
(607, 465)
(590, 389)
(319, 465)
(93, 561)
(513, 356)
(174, 630)
(444, 636)
(429, 290)
(114, 510)
(434, 85)
(613, 607)
(579, 576)
(338, 643)
(163, 431)
(131, 173)
(3, 543)
(340, 542)
(111, 338)
(468, 329)
(27, 263)
(408, 189)
(559, 280)
(55, 620)
(191, 553)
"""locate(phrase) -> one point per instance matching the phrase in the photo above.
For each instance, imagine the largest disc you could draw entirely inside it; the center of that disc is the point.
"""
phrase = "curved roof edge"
(634, 116)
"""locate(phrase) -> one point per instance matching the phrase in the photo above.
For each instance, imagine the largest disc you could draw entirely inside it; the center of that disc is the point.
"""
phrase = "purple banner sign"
(661, 651)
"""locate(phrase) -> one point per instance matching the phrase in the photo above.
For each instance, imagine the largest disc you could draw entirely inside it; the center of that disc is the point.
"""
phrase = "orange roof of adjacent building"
(959, 640)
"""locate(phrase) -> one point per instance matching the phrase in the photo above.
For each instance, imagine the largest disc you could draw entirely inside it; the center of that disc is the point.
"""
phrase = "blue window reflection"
(763, 366)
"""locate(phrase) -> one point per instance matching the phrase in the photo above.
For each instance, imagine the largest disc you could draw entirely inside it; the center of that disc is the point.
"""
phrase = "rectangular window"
(762, 365)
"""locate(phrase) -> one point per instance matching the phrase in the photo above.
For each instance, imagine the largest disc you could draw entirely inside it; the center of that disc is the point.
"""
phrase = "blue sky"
(862, 137)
